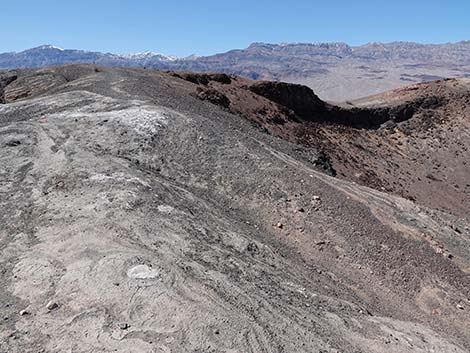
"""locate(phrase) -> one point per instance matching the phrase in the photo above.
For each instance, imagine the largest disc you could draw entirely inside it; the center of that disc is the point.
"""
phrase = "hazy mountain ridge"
(336, 71)
(49, 55)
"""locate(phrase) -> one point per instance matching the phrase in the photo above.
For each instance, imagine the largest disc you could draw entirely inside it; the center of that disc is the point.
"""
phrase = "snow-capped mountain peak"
(151, 55)
(48, 46)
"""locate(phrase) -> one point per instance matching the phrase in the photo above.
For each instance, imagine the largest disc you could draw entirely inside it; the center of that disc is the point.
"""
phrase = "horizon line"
(52, 46)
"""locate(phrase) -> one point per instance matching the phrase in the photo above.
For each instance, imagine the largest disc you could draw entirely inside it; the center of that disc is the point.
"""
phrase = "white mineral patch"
(142, 272)
(137, 115)
(165, 209)
(118, 177)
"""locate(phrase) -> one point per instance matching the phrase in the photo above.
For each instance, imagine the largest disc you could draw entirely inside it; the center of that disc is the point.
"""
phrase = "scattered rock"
(9, 333)
(13, 143)
(460, 306)
(123, 325)
(52, 305)
(213, 96)
(24, 312)
(252, 248)
(324, 162)
(279, 225)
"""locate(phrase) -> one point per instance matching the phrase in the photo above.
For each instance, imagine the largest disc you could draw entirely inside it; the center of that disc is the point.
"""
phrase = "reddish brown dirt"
(412, 142)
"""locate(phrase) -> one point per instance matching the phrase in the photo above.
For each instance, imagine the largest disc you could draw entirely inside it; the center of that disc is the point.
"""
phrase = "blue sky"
(208, 26)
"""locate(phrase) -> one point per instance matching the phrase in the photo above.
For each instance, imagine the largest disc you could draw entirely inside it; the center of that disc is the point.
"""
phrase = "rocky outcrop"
(5, 80)
(374, 117)
(293, 102)
(300, 99)
(213, 96)
(202, 78)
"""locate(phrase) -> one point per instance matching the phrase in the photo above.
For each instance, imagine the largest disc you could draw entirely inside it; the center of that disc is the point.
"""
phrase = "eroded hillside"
(413, 142)
(137, 215)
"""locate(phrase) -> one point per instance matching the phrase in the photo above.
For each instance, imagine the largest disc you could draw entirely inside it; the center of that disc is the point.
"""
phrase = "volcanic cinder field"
(170, 211)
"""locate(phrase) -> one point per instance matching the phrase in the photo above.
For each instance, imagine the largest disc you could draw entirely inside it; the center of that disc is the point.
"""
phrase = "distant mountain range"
(336, 71)
(49, 55)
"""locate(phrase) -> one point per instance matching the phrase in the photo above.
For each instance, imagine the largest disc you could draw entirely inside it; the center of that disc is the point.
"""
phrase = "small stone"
(300, 210)
(123, 325)
(9, 333)
(460, 306)
(252, 248)
(13, 143)
(24, 312)
(279, 225)
(52, 305)
(316, 198)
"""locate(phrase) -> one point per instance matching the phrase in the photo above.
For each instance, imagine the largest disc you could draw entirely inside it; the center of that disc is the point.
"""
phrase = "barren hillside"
(413, 142)
(147, 211)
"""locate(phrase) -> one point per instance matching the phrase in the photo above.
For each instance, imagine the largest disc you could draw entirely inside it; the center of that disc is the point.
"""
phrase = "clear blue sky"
(210, 26)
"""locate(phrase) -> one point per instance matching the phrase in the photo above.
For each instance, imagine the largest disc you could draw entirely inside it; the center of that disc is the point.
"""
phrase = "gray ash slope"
(158, 222)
